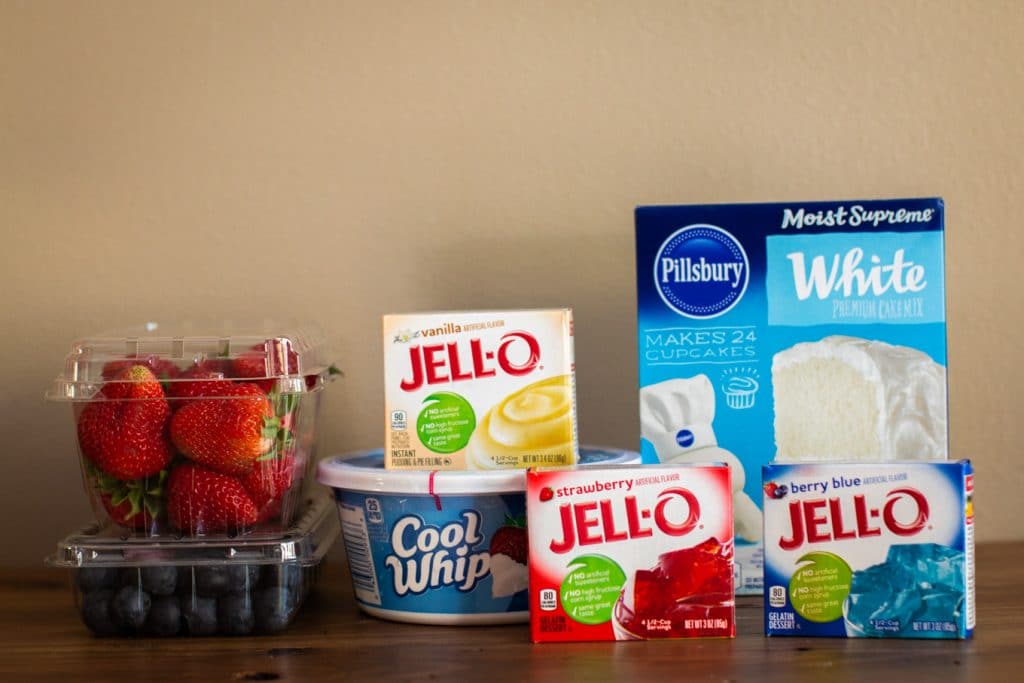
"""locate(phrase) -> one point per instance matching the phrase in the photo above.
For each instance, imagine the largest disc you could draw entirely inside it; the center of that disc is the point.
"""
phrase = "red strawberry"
(546, 494)
(161, 367)
(226, 434)
(196, 382)
(127, 514)
(132, 504)
(123, 430)
(510, 540)
(267, 484)
(201, 501)
(264, 363)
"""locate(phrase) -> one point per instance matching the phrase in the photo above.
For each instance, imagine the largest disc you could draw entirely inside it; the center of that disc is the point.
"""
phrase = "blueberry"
(200, 615)
(96, 612)
(186, 580)
(275, 609)
(130, 576)
(211, 581)
(94, 578)
(234, 614)
(159, 580)
(130, 607)
(164, 617)
(242, 578)
(283, 576)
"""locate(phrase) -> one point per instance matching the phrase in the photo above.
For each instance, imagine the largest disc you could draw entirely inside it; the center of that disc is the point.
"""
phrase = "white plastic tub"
(438, 547)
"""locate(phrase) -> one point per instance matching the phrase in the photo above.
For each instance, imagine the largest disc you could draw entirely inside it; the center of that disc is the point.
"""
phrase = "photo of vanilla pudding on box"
(479, 390)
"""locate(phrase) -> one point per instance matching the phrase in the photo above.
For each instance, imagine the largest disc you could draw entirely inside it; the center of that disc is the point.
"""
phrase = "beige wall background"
(335, 161)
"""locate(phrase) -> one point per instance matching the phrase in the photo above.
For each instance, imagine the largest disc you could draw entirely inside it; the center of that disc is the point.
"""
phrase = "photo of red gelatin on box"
(688, 594)
(630, 553)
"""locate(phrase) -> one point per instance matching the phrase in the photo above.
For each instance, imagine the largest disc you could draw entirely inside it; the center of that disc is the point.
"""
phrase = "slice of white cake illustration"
(846, 398)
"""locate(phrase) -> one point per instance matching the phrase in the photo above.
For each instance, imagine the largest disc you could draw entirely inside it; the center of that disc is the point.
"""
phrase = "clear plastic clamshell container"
(190, 587)
(196, 430)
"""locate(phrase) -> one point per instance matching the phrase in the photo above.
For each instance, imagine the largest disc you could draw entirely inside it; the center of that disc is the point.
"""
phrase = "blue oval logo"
(701, 271)
(685, 438)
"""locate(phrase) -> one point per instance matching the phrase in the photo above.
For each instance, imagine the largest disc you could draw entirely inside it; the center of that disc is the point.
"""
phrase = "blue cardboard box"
(793, 332)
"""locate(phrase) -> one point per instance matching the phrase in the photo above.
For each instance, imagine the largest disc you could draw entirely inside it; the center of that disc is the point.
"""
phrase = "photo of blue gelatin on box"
(918, 592)
(869, 550)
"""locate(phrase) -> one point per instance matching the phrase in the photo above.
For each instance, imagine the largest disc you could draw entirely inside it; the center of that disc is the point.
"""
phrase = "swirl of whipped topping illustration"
(741, 385)
(536, 421)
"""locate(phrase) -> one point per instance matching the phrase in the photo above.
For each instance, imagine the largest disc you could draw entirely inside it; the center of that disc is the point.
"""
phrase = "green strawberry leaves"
(278, 427)
(147, 493)
(518, 522)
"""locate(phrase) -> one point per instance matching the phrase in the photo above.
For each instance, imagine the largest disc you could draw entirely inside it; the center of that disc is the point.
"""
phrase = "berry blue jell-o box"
(869, 550)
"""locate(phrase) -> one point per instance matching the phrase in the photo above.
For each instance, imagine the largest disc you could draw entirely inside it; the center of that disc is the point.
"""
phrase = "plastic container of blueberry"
(196, 429)
(247, 585)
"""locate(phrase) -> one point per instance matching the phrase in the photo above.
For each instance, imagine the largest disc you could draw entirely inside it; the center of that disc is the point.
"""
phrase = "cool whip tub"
(438, 547)
(881, 550)
(479, 390)
(630, 553)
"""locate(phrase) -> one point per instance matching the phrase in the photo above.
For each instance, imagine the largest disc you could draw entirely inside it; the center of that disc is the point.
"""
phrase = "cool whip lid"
(364, 471)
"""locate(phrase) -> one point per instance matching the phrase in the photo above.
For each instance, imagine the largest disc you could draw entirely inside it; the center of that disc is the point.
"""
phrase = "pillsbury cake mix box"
(790, 332)
(880, 550)
(479, 390)
(630, 553)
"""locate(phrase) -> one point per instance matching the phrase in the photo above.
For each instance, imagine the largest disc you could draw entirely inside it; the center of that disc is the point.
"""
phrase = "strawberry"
(161, 367)
(196, 382)
(201, 501)
(546, 494)
(226, 434)
(122, 432)
(127, 515)
(510, 539)
(267, 484)
(132, 504)
(263, 363)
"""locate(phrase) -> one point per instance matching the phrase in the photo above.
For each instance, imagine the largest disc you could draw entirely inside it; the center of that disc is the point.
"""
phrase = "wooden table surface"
(43, 639)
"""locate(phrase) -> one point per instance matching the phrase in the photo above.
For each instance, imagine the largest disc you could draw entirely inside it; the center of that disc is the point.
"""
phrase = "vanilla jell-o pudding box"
(630, 553)
(883, 550)
(790, 332)
(479, 390)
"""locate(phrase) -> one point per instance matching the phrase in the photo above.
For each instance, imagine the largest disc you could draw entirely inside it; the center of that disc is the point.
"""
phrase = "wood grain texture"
(42, 639)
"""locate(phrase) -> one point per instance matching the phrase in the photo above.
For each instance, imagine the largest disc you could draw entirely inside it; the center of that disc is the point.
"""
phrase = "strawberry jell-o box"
(479, 390)
(630, 553)
(869, 550)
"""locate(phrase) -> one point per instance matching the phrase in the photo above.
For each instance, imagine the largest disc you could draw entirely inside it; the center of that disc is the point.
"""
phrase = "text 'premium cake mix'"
(790, 332)
(479, 390)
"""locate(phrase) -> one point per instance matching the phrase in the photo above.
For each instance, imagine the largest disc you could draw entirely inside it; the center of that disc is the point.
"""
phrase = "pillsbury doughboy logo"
(701, 271)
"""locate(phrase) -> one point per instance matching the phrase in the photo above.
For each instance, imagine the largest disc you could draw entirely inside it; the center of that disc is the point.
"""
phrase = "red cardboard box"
(630, 553)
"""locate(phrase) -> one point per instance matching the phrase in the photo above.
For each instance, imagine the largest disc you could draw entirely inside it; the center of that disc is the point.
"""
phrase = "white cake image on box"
(847, 398)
